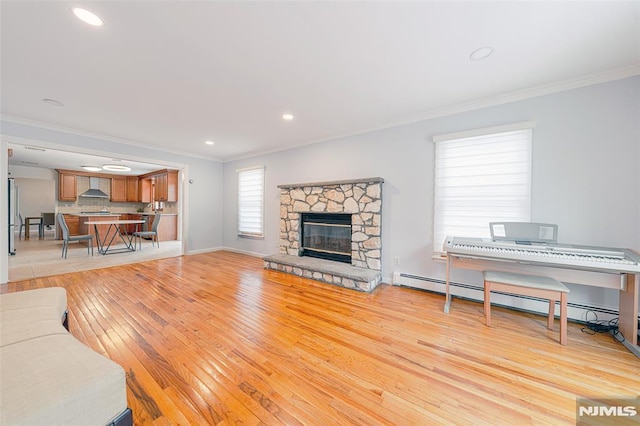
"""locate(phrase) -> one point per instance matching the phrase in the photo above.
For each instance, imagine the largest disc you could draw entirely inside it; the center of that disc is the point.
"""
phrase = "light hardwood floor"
(215, 339)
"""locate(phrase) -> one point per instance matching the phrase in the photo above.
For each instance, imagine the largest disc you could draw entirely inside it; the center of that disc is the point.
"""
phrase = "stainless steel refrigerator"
(13, 215)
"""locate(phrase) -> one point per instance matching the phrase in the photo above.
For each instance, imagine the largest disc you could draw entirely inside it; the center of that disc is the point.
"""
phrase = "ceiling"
(173, 74)
(47, 158)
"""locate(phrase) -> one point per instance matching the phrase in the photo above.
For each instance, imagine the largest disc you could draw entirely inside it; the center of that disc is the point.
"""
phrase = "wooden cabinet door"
(166, 186)
(118, 189)
(72, 223)
(67, 187)
(168, 228)
(145, 188)
(172, 187)
(160, 190)
(133, 194)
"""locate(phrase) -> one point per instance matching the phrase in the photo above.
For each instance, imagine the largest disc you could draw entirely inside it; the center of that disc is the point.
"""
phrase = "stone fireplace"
(361, 201)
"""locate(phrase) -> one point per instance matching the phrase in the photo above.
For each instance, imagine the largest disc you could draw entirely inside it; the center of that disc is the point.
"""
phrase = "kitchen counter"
(98, 215)
(117, 214)
(85, 229)
(77, 223)
(122, 213)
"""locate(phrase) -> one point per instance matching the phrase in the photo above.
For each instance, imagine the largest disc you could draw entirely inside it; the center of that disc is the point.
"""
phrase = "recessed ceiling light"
(116, 168)
(209, 142)
(481, 53)
(92, 168)
(287, 117)
(53, 102)
(87, 17)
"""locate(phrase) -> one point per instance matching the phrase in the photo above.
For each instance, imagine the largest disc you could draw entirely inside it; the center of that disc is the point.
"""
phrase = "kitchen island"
(168, 228)
(116, 231)
(77, 223)
(88, 229)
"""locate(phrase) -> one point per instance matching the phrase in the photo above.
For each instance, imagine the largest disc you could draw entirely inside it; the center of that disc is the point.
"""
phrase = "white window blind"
(251, 202)
(481, 178)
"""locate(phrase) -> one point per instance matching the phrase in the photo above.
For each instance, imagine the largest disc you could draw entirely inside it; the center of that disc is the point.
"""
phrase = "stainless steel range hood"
(94, 191)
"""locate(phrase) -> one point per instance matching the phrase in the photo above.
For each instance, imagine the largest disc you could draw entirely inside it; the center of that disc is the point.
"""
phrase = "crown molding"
(590, 80)
(533, 92)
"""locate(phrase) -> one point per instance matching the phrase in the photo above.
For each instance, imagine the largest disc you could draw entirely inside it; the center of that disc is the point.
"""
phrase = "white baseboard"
(248, 253)
(207, 250)
(575, 312)
(231, 249)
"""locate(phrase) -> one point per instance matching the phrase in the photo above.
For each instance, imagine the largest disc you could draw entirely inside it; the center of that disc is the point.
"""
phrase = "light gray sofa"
(47, 377)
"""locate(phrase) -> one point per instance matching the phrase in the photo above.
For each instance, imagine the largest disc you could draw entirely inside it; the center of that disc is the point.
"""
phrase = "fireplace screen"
(327, 236)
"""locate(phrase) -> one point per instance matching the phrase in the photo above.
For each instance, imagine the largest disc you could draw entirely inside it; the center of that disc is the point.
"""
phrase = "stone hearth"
(362, 198)
(337, 273)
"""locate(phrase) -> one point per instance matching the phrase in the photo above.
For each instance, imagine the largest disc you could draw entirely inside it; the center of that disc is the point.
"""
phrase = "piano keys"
(584, 257)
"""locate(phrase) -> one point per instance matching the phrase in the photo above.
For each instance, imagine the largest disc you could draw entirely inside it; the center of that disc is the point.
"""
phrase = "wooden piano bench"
(528, 285)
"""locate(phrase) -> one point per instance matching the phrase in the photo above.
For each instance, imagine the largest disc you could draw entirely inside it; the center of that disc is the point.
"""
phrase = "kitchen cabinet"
(168, 228)
(72, 222)
(132, 189)
(162, 185)
(67, 187)
(172, 186)
(119, 189)
(166, 186)
(145, 190)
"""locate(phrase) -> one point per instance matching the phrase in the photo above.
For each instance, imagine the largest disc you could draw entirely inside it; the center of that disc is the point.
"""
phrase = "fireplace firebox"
(326, 236)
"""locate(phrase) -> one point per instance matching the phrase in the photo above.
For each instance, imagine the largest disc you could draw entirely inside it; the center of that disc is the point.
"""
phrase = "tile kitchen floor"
(41, 258)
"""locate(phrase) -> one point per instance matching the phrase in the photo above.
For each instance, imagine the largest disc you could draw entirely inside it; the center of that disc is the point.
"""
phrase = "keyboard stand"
(627, 284)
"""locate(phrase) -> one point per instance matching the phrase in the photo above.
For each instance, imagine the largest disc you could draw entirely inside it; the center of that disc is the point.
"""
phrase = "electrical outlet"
(396, 261)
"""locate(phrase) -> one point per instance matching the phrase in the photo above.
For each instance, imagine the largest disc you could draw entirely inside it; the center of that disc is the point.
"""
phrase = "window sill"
(251, 236)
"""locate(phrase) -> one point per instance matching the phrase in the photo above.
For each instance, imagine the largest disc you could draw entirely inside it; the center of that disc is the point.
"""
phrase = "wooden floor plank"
(215, 339)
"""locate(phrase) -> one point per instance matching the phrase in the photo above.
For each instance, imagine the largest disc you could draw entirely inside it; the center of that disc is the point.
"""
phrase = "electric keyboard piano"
(585, 265)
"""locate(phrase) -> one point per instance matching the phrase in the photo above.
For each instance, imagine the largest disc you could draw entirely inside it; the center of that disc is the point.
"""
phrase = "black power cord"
(601, 326)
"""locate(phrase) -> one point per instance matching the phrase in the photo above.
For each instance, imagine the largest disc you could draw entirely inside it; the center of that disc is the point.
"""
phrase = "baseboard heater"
(576, 311)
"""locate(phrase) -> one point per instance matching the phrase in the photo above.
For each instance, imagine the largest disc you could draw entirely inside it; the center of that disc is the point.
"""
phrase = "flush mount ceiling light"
(87, 17)
(53, 102)
(481, 53)
(92, 168)
(116, 168)
(287, 117)
(209, 142)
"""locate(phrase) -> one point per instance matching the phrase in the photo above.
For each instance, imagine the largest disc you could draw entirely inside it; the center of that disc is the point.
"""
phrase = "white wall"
(585, 175)
(31, 172)
(37, 196)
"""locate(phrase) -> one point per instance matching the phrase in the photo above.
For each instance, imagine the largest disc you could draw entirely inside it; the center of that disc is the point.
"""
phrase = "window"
(251, 202)
(480, 177)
